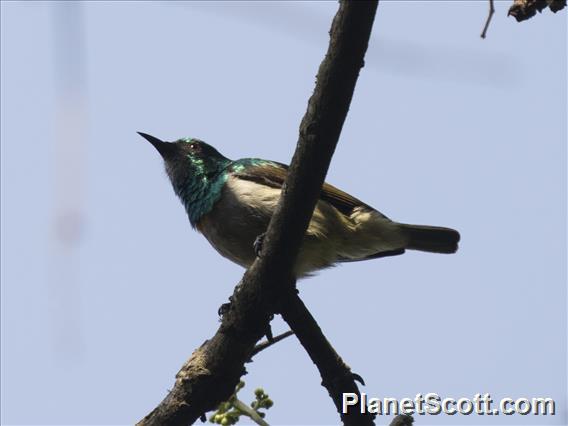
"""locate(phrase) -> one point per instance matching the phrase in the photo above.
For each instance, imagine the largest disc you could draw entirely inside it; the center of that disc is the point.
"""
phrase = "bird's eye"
(194, 148)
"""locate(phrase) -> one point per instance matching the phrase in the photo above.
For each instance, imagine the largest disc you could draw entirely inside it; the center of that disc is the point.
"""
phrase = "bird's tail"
(433, 239)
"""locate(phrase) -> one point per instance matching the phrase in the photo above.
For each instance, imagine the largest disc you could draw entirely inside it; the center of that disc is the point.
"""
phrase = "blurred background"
(106, 290)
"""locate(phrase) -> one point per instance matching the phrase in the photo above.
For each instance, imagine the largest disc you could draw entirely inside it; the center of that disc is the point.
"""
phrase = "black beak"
(166, 149)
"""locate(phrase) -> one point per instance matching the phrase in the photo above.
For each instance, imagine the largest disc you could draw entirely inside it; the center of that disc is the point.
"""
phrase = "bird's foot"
(225, 307)
(268, 332)
(349, 375)
(358, 378)
(257, 245)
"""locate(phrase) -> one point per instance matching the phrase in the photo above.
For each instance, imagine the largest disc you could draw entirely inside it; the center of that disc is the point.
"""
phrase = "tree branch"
(319, 134)
(213, 370)
(522, 10)
(402, 420)
(267, 343)
(336, 375)
(488, 21)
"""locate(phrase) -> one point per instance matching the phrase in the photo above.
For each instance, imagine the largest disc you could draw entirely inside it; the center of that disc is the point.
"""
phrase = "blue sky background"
(106, 290)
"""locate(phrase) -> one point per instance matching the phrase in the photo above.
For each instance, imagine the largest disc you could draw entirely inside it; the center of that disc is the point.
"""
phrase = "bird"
(231, 202)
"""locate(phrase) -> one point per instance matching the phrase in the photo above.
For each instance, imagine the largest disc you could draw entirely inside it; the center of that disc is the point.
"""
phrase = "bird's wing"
(274, 174)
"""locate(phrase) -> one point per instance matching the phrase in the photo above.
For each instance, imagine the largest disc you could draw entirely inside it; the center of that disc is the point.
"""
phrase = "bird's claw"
(225, 307)
(268, 332)
(257, 245)
(358, 378)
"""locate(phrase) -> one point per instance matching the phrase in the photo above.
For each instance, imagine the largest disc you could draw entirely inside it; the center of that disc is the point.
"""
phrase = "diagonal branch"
(213, 370)
(336, 375)
(319, 134)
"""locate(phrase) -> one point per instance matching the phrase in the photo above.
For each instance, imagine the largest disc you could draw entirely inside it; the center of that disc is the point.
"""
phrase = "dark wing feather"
(274, 174)
(374, 256)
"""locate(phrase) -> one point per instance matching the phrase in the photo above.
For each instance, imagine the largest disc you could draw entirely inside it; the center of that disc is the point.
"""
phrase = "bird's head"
(188, 159)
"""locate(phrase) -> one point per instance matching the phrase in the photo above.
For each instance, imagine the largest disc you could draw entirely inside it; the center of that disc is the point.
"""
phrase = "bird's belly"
(232, 226)
(234, 243)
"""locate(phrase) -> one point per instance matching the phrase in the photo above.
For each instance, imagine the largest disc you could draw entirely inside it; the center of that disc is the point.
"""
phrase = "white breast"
(254, 195)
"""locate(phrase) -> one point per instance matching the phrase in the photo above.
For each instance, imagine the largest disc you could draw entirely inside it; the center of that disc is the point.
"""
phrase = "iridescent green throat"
(199, 184)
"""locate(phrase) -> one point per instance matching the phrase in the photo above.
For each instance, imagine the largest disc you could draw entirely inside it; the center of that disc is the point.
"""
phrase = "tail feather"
(433, 239)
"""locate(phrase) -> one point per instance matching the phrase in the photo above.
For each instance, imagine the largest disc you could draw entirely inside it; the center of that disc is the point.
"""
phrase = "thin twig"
(491, 12)
(267, 343)
(249, 412)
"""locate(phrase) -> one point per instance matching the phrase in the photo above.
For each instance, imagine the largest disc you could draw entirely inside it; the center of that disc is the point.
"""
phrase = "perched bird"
(231, 203)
